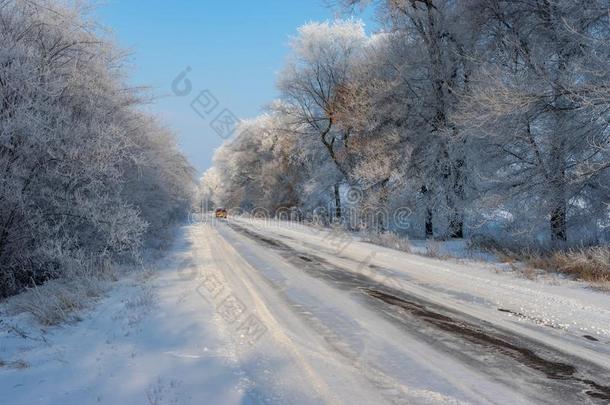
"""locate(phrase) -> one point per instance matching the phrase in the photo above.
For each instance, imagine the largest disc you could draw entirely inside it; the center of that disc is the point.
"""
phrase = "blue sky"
(234, 49)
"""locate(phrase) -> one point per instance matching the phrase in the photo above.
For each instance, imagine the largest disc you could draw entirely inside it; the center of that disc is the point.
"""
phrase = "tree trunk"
(429, 230)
(455, 191)
(337, 202)
(559, 232)
(559, 209)
(558, 159)
(456, 221)
(381, 225)
(456, 226)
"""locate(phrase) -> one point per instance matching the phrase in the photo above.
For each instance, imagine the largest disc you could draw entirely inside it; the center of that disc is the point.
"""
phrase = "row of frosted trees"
(475, 115)
(85, 177)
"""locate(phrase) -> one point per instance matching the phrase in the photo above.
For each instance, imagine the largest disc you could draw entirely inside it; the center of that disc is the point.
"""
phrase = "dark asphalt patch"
(525, 356)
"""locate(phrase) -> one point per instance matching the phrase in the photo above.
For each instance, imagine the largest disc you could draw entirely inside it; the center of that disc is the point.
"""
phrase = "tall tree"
(432, 40)
(547, 139)
(71, 141)
(323, 58)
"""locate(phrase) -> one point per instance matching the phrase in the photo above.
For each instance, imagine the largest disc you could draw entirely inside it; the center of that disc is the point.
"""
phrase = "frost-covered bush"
(83, 174)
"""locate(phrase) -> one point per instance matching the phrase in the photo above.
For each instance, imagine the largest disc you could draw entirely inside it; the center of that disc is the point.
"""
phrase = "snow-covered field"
(245, 312)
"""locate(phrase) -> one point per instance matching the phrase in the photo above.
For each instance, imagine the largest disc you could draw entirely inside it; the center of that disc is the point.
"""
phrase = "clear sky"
(234, 49)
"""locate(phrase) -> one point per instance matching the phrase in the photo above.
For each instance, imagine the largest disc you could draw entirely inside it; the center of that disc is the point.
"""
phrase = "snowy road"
(251, 312)
(356, 323)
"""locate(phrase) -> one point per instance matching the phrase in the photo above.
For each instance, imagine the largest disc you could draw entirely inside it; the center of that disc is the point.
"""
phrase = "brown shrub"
(590, 264)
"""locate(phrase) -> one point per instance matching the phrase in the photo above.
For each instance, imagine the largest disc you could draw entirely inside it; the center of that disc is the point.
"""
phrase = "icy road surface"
(252, 312)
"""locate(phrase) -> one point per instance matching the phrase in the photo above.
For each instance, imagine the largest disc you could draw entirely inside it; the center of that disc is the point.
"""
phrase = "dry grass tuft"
(433, 249)
(588, 264)
(591, 264)
(529, 272)
(59, 300)
(389, 240)
(17, 364)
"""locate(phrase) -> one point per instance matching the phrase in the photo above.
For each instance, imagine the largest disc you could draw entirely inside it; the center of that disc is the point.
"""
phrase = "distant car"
(220, 213)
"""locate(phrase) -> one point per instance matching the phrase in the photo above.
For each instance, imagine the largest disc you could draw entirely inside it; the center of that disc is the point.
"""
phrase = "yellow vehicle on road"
(220, 213)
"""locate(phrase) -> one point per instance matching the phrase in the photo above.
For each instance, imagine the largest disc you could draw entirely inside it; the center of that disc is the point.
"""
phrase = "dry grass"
(591, 264)
(528, 272)
(17, 364)
(388, 239)
(56, 301)
(59, 300)
(433, 249)
(588, 264)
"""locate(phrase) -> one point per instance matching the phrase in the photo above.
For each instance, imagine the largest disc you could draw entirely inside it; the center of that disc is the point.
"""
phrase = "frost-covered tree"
(370, 111)
(323, 58)
(208, 191)
(430, 66)
(261, 168)
(71, 141)
(538, 111)
(464, 111)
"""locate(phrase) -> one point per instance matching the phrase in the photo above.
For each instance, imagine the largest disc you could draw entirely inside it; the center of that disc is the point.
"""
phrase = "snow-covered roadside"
(228, 320)
(149, 341)
(197, 331)
(557, 311)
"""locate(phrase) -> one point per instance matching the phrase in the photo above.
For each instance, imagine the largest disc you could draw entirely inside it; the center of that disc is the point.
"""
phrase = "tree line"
(86, 177)
(481, 116)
